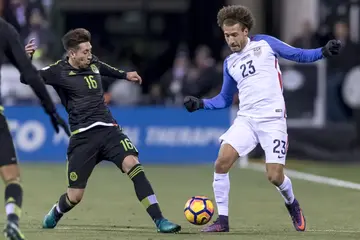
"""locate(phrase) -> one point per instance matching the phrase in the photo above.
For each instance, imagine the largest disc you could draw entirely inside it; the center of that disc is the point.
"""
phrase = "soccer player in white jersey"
(253, 70)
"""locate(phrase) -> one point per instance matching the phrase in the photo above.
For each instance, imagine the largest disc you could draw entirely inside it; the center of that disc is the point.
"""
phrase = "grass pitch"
(110, 209)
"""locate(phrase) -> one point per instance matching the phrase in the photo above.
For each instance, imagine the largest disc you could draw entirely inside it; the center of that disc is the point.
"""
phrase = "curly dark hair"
(233, 14)
(73, 38)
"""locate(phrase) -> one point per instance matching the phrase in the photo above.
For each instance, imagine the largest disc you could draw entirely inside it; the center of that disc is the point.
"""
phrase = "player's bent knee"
(75, 195)
(129, 162)
(275, 173)
(227, 157)
(222, 165)
(275, 178)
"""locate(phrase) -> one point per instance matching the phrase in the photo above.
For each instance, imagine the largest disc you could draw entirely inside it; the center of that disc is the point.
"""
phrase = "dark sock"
(64, 205)
(13, 201)
(224, 220)
(144, 192)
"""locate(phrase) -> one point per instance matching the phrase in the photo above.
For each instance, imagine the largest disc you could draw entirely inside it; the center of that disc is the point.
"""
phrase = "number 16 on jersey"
(92, 84)
(128, 145)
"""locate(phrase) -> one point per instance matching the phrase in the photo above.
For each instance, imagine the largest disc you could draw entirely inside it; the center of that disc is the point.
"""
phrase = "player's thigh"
(273, 139)
(82, 157)
(117, 147)
(9, 169)
(240, 136)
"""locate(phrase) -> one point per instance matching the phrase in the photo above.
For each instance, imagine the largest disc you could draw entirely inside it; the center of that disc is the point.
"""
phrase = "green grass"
(110, 209)
(347, 172)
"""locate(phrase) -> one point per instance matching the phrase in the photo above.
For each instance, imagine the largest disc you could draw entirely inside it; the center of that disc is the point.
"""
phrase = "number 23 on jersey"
(247, 69)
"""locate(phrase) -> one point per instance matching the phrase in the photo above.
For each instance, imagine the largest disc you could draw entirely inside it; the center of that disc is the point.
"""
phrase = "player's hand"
(57, 121)
(30, 47)
(332, 48)
(192, 103)
(133, 77)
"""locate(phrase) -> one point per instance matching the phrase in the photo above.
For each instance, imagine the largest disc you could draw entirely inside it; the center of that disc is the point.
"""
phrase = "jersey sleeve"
(109, 71)
(16, 54)
(49, 74)
(225, 98)
(288, 52)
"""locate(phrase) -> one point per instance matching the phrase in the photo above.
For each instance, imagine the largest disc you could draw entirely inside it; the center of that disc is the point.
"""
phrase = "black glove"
(331, 48)
(57, 121)
(192, 103)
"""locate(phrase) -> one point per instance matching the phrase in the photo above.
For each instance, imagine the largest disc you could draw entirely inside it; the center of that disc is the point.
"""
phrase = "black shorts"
(88, 148)
(7, 149)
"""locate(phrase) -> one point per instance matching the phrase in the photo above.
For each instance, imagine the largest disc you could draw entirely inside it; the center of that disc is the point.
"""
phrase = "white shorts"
(246, 133)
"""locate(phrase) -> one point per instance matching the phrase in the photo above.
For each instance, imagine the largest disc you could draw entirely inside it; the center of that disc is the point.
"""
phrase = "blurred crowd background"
(179, 50)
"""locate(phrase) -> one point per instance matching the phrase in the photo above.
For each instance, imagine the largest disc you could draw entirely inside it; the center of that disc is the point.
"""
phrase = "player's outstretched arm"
(332, 48)
(18, 57)
(114, 73)
(222, 100)
(46, 75)
(49, 73)
(288, 52)
(110, 71)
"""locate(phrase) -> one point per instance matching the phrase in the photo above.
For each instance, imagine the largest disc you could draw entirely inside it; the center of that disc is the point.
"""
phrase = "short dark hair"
(74, 37)
(233, 14)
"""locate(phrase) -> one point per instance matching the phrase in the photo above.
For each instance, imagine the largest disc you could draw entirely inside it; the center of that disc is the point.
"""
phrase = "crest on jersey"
(257, 51)
(94, 68)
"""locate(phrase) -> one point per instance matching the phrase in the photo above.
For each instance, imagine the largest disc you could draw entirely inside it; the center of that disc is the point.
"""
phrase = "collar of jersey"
(246, 47)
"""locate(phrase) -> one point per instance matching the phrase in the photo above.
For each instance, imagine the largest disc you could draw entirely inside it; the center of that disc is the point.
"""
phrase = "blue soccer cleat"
(221, 224)
(12, 232)
(50, 219)
(165, 226)
(297, 216)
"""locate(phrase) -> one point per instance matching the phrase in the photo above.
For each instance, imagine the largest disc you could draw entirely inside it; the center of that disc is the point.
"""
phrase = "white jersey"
(255, 73)
(258, 77)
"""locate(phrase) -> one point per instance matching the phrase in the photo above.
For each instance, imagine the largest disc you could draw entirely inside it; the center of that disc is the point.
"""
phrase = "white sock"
(10, 208)
(221, 186)
(286, 190)
(58, 208)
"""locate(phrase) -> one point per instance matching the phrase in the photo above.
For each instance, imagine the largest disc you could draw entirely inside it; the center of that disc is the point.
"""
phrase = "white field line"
(332, 231)
(137, 230)
(309, 177)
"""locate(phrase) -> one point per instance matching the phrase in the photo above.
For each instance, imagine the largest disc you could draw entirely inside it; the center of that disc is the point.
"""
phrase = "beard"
(83, 63)
(238, 47)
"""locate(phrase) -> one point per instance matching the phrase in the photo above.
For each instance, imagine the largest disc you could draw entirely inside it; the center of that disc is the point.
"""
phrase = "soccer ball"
(199, 210)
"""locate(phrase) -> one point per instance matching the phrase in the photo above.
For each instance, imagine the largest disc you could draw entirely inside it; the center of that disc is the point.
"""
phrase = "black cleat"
(12, 232)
